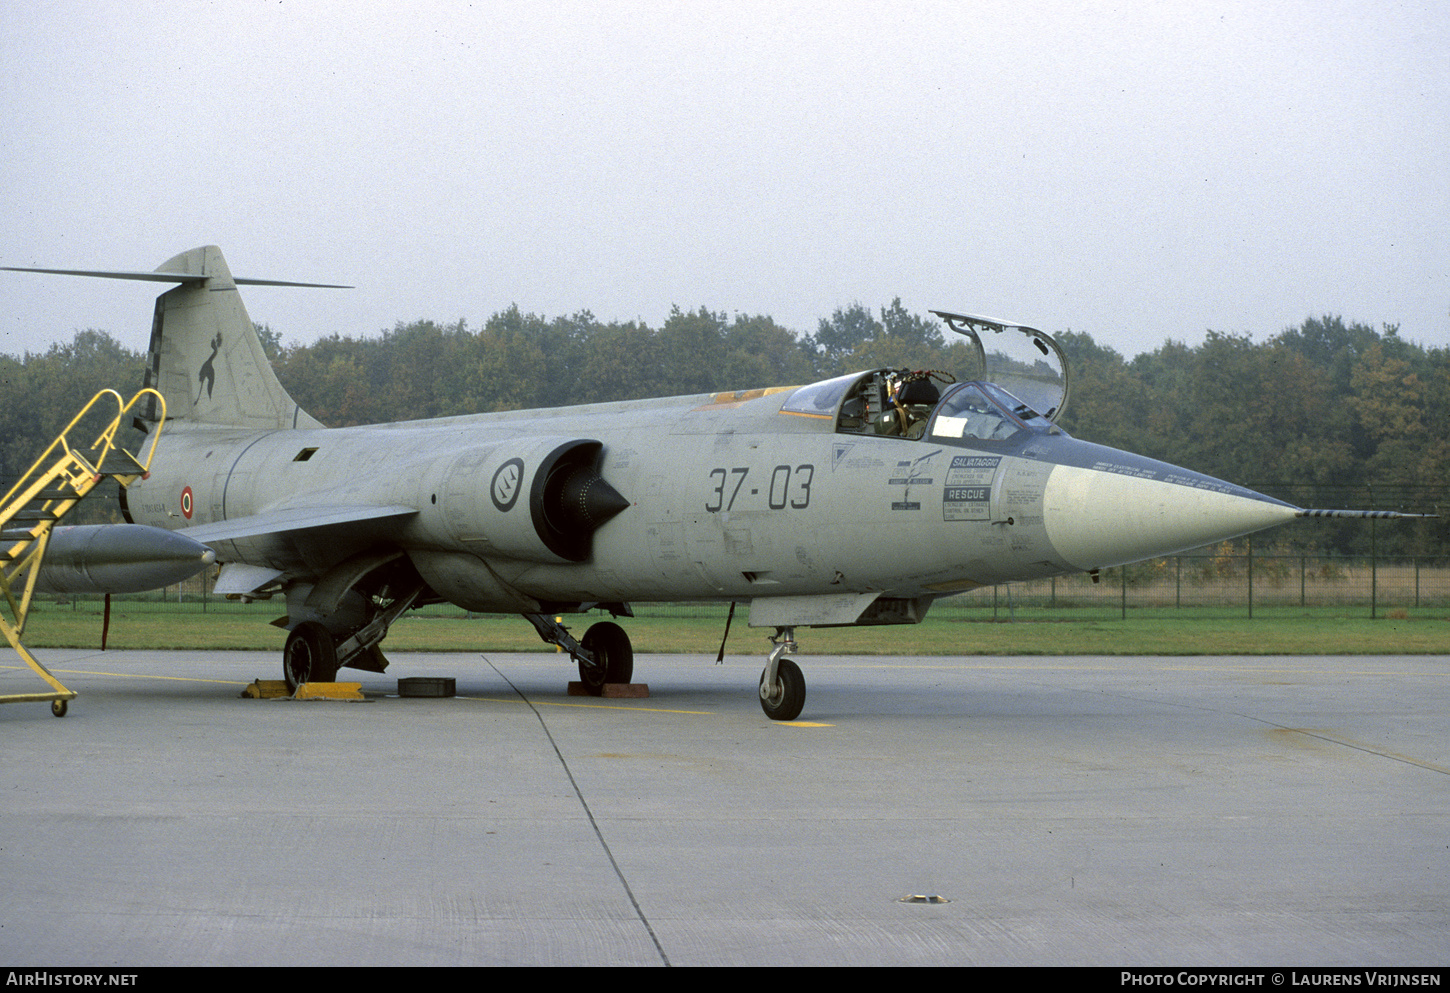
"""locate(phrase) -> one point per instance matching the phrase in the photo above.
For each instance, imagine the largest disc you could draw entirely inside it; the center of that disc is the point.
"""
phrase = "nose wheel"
(782, 685)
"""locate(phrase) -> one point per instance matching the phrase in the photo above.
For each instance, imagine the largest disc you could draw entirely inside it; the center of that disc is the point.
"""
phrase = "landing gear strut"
(782, 685)
(313, 654)
(604, 653)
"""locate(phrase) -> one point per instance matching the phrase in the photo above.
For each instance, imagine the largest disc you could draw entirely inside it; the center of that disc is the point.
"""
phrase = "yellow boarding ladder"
(58, 480)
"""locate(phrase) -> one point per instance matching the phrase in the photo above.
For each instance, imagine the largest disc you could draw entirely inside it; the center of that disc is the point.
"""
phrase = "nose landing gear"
(782, 685)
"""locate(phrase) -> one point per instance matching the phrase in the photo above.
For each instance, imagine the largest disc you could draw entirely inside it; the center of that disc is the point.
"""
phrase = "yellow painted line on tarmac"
(1298, 671)
(233, 682)
(594, 706)
(803, 724)
(1126, 666)
(136, 675)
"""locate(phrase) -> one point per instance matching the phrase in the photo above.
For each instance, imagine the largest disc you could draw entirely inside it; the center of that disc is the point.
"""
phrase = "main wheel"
(785, 700)
(610, 646)
(310, 656)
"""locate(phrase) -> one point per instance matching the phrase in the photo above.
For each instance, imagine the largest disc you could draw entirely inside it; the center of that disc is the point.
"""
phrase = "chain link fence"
(1204, 585)
(1226, 584)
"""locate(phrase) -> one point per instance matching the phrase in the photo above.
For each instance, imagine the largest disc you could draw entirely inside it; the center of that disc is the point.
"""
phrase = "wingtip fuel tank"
(119, 558)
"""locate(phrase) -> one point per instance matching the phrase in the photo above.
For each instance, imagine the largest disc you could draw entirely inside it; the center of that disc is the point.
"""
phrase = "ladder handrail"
(106, 441)
(161, 420)
(61, 441)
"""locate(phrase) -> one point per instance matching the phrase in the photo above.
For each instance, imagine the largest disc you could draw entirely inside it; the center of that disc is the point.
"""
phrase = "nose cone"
(1132, 508)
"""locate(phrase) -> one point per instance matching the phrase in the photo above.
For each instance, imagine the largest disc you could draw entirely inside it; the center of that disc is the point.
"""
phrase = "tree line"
(1328, 413)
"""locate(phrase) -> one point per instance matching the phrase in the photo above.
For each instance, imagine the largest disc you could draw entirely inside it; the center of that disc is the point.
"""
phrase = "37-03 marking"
(789, 487)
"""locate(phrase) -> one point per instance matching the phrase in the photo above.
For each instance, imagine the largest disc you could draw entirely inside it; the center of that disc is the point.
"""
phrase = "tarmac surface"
(1076, 811)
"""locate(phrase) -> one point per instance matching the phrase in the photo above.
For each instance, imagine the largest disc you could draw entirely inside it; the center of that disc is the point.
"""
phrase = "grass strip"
(697, 629)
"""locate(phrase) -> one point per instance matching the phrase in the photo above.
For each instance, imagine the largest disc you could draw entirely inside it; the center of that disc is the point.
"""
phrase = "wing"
(290, 519)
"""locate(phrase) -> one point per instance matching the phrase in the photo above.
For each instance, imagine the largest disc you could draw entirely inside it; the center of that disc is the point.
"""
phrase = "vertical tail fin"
(205, 357)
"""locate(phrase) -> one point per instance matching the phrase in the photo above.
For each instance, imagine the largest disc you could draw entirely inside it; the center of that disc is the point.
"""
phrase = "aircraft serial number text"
(789, 487)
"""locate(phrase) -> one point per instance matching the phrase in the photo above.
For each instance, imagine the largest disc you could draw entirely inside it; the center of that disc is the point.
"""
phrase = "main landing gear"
(782, 686)
(604, 654)
(310, 656)
(313, 653)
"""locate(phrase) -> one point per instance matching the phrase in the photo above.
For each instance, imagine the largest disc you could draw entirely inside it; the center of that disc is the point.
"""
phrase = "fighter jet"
(858, 500)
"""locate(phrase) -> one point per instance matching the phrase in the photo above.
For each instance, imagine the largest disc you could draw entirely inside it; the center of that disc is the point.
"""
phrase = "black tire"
(790, 700)
(59, 707)
(310, 656)
(610, 645)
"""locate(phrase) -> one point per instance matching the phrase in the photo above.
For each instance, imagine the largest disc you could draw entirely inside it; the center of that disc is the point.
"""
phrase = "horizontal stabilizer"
(290, 519)
(170, 277)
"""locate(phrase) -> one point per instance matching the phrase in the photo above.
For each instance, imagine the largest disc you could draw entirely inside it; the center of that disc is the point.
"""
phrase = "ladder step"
(119, 462)
(34, 515)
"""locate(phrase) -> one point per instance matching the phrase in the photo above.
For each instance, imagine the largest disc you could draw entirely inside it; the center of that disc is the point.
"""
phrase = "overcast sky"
(1137, 171)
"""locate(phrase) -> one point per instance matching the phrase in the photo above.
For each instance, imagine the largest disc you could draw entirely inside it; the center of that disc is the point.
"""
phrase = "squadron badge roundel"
(506, 482)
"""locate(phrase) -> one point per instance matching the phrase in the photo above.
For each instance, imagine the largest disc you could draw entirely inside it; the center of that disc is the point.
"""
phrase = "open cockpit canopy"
(1023, 389)
(1024, 361)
